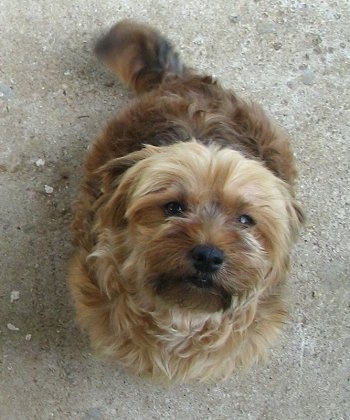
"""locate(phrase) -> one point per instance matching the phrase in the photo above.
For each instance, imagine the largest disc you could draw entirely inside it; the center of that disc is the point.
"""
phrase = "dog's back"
(145, 61)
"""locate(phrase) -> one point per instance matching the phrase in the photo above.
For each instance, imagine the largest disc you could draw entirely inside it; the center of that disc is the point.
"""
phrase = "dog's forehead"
(193, 168)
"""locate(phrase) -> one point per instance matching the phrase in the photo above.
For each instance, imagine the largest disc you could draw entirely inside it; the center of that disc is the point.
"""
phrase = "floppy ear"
(112, 172)
(118, 178)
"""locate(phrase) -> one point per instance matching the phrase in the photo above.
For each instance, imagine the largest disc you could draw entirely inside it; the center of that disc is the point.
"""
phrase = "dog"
(184, 221)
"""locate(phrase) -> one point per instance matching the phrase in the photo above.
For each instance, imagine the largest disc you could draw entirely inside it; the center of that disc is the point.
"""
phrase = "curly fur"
(184, 139)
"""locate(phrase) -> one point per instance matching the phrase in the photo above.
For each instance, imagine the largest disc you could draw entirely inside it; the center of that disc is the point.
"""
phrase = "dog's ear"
(112, 172)
(281, 261)
(118, 178)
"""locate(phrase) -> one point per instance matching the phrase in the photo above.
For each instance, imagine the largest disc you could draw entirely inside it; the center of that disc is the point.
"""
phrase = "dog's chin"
(196, 292)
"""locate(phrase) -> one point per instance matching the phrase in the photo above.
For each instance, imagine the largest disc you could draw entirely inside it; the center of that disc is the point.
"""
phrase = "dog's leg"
(139, 56)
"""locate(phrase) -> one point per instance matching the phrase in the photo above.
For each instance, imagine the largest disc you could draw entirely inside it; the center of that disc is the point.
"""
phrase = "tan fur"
(131, 275)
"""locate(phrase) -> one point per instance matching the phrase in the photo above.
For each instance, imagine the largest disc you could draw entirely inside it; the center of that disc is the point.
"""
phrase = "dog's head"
(199, 227)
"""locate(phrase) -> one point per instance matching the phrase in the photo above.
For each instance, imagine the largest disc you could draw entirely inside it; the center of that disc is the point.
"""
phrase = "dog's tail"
(139, 55)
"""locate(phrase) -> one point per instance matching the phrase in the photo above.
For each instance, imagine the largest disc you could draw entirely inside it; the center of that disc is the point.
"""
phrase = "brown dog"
(184, 221)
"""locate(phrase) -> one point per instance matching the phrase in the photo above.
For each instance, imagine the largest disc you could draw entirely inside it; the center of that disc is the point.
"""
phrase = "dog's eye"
(246, 220)
(174, 208)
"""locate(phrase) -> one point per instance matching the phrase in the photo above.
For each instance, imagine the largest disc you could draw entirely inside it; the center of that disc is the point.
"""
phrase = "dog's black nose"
(207, 258)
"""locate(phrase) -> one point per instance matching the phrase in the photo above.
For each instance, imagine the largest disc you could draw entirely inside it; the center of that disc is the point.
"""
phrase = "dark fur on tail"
(139, 56)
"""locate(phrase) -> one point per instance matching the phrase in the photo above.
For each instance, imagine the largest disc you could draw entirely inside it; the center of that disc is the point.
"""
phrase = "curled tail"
(138, 55)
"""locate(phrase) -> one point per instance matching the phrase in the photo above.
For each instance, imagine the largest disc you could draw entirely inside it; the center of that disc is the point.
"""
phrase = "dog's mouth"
(201, 281)
(197, 291)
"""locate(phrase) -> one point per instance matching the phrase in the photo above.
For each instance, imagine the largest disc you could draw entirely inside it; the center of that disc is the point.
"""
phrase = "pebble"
(14, 295)
(48, 189)
(40, 162)
(12, 327)
(198, 41)
(28, 337)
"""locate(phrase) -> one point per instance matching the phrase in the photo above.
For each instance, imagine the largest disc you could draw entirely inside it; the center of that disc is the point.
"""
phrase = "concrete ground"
(291, 56)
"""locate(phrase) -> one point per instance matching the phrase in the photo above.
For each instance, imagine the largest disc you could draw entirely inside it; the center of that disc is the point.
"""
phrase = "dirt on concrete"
(293, 57)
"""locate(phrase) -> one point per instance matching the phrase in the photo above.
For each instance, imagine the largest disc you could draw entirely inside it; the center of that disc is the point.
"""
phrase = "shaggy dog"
(184, 221)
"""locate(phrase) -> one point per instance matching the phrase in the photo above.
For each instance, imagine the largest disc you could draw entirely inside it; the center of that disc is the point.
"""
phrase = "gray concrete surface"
(293, 57)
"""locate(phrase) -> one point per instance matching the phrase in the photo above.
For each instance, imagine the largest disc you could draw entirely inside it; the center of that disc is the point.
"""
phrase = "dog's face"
(203, 228)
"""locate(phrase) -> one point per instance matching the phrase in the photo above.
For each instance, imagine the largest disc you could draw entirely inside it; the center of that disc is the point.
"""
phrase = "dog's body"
(184, 222)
